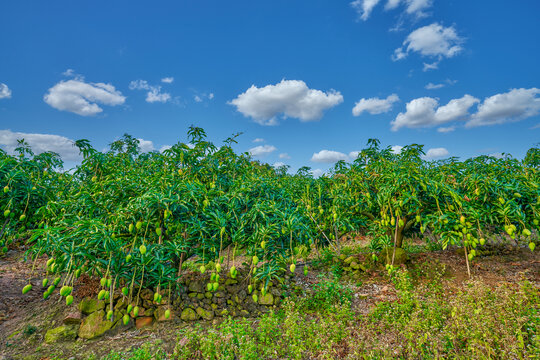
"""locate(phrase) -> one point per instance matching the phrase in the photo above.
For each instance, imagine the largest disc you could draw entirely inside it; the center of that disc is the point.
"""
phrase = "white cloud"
(353, 155)
(40, 143)
(432, 66)
(432, 40)
(279, 164)
(202, 96)
(417, 7)
(317, 173)
(446, 129)
(292, 98)
(82, 98)
(396, 149)
(436, 153)
(364, 7)
(5, 92)
(514, 105)
(455, 109)
(258, 140)
(164, 147)
(146, 145)
(69, 72)
(284, 156)
(374, 105)
(328, 156)
(497, 155)
(412, 7)
(392, 4)
(425, 112)
(167, 80)
(262, 150)
(432, 86)
(153, 93)
(72, 74)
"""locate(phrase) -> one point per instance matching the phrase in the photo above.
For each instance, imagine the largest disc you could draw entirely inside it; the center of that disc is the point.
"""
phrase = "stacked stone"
(230, 299)
(352, 266)
(193, 303)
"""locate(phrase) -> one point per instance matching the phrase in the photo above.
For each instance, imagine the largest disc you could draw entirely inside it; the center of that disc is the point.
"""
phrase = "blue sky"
(311, 80)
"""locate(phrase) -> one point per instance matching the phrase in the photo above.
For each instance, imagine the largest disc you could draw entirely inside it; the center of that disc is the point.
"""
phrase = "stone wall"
(191, 303)
(230, 299)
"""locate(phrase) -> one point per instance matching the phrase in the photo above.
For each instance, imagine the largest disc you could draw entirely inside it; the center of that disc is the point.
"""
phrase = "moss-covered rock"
(61, 333)
(117, 318)
(400, 257)
(205, 314)
(90, 305)
(121, 304)
(147, 294)
(94, 325)
(267, 299)
(196, 286)
(141, 311)
(159, 314)
(73, 318)
(188, 314)
(143, 322)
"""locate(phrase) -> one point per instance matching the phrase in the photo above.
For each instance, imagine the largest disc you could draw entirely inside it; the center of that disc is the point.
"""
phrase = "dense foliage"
(136, 219)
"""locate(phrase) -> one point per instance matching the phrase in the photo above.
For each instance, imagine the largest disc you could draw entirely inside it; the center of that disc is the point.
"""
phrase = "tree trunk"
(399, 235)
(399, 238)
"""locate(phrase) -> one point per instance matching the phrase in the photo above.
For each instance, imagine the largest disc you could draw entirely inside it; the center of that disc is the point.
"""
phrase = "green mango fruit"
(292, 268)
(27, 288)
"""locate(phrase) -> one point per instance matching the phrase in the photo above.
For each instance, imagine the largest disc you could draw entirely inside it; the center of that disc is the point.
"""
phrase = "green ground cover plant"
(477, 322)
